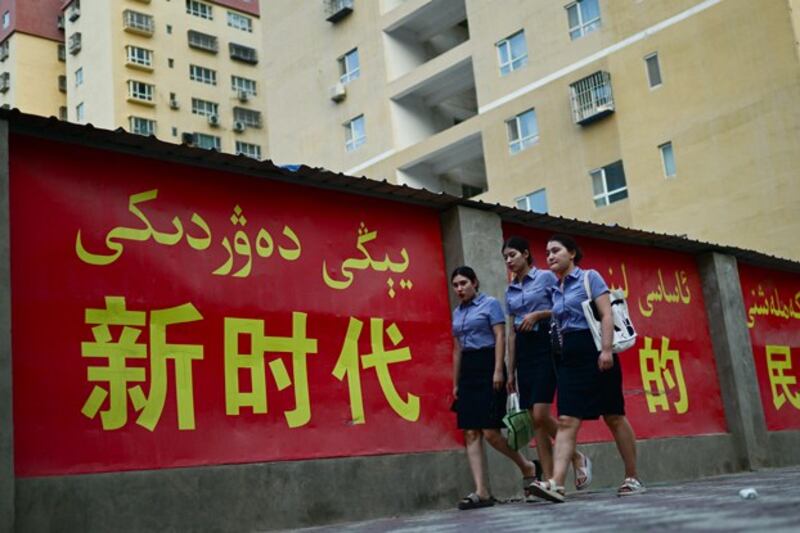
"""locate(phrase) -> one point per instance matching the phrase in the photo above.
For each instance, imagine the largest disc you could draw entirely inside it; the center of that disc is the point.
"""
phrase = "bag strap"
(586, 286)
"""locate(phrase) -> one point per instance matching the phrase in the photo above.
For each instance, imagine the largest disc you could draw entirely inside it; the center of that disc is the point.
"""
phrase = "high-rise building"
(183, 70)
(677, 116)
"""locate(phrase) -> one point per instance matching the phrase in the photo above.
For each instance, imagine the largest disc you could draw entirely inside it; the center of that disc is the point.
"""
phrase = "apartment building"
(677, 116)
(183, 70)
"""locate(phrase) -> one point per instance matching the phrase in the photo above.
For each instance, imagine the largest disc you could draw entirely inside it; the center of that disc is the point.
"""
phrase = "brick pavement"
(711, 504)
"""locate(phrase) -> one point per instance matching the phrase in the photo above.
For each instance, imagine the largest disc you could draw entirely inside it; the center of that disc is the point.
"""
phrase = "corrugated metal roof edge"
(119, 140)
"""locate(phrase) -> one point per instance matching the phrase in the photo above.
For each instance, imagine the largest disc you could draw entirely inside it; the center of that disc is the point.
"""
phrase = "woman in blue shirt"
(479, 381)
(528, 302)
(589, 382)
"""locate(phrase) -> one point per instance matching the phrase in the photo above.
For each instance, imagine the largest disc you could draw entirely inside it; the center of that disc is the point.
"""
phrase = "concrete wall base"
(783, 446)
(304, 493)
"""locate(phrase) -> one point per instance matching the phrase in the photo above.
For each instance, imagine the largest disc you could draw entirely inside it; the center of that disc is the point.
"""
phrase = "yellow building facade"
(676, 116)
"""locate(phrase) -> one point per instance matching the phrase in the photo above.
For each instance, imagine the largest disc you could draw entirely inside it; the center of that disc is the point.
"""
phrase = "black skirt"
(536, 373)
(584, 391)
(479, 406)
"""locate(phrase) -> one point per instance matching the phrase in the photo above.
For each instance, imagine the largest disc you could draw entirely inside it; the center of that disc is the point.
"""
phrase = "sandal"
(473, 501)
(583, 473)
(547, 490)
(630, 486)
(527, 480)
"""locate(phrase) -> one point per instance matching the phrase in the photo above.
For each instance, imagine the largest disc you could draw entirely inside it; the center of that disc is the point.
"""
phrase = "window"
(62, 113)
(608, 184)
(79, 77)
(523, 131)
(249, 117)
(240, 22)
(75, 43)
(169, 28)
(139, 56)
(349, 66)
(512, 53)
(653, 70)
(208, 142)
(174, 131)
(5, 82)
(170, 62)
(62, 52)
(204, 108)
(355, 134)
(535, 201)
(6, 19)
(4, 50)
(138, 22)
(140, 91)
(80, 112)
(240, 84)
(142, 126)
(668, 159)
(583, 17)
(592, 98)
(203, 41)
(199, 9)
(245, 54)
(250, 150)
(202, 74)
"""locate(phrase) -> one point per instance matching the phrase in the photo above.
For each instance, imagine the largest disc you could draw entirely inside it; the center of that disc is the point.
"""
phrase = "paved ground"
(711, 504)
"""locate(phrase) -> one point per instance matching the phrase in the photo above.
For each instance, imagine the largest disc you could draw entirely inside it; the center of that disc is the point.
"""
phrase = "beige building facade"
(676, 116)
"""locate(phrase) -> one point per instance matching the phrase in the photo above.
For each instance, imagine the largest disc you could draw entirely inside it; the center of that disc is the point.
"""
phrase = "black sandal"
(473, 501)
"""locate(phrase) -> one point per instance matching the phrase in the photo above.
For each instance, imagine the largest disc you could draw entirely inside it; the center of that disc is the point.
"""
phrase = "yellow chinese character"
(779, 360)
(299, 345)
(653, 366)
(379, 359)
(118, 375)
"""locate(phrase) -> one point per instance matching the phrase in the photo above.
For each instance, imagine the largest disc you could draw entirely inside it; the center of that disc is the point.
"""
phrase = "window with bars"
(142, 126)
(138, 90)
(583, 17)
(199, 9)
(242, 53)
(355, 133)
(512, 53)
(138, 22)
(523, 131)
(202, 74)
(592, 97)
(4, 49)
(240, 22)
(249, 117)
(203, 41)
(204, 108)
(535, 201)
(349, 66)
(208, 142)
(248, 149)
(139, 56)
(608, 184)
(246, 85)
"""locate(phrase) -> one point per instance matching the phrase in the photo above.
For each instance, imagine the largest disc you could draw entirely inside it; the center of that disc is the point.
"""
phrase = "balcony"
(244, 54)
(415, 34)
(5, 82)
(336, 10)
(75, 43)
(592, 98)
(139, 23)
(203, 41)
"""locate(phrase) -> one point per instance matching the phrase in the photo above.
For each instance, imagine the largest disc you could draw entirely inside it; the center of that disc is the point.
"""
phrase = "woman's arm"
(532, 318)
(512, 356)
(456, 365)
(499, 352)
(603, 303)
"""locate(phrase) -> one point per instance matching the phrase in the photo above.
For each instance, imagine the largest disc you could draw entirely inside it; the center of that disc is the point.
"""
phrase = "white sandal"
(547, 490)
(583, 473)
(631, 486)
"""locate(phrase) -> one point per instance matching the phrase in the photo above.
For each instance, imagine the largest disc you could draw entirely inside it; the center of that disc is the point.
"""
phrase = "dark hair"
(468, 273)
(570, 244)
(519, 244)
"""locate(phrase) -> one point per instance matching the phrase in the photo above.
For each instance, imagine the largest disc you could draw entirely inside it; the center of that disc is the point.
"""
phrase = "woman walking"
(479, 381)
(589, 382)
(530, 362)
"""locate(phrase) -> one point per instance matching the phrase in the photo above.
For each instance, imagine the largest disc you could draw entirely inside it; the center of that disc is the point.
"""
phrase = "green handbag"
(518, 422)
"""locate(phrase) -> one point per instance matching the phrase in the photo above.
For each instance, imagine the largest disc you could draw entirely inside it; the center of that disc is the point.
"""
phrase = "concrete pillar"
(473, 238)
(6, 416)
(733, 352)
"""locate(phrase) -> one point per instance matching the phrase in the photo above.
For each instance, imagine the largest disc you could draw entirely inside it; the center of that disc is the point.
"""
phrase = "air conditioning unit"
(239, 126)
(338, 92)
(243, 96)
(174, 104)
(61, 22)
(213, 120)
(187, 138)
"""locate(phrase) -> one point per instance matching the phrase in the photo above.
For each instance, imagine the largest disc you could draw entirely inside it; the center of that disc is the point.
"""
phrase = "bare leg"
(626, 441)
(565, 446)
(545, 432)
(474, 441)
(495, 438)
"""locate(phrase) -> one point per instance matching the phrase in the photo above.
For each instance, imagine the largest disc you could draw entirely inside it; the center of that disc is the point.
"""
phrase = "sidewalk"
(711, 504)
